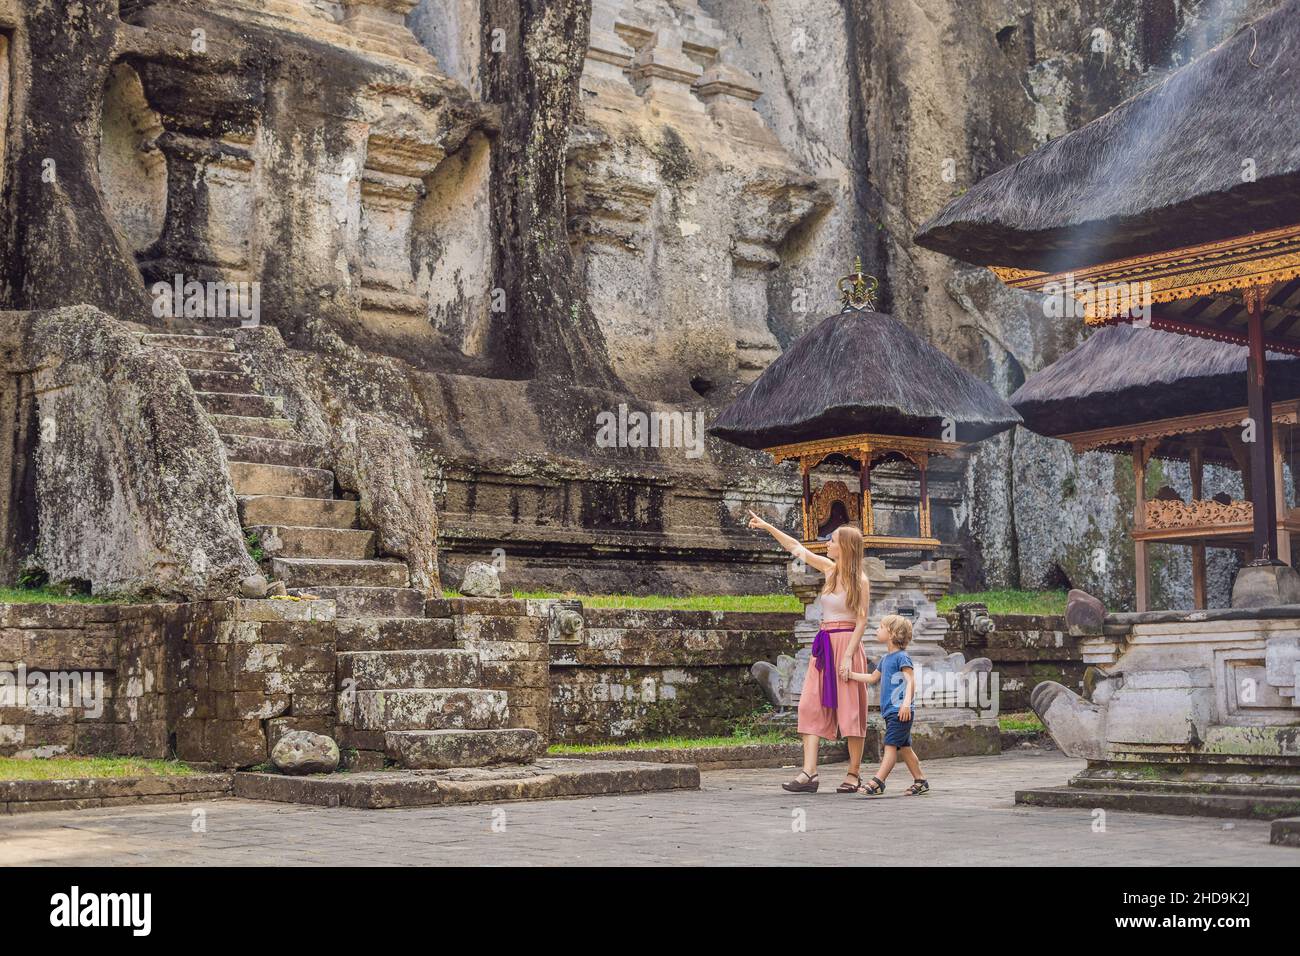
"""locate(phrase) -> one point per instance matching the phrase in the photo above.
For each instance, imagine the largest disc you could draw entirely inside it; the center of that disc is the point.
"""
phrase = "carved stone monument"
(1183, 712)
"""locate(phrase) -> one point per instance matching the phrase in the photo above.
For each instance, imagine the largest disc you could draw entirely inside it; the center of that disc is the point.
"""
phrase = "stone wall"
(219, 682)
(247, 673)
(510, 638)
(86, 678)
(642, 674)
(209, 681)
(1026, 650)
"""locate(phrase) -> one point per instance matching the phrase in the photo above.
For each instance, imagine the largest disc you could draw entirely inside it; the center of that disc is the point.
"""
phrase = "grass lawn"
(1024, 721)
(999, 602)
(670, 743)
(67, 768)
(1010, 602)
(48, 596)
(703, 602)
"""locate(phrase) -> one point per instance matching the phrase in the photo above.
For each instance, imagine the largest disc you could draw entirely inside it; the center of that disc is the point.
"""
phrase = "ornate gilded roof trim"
(1284, 413)
(855, 446)
(1242, 262)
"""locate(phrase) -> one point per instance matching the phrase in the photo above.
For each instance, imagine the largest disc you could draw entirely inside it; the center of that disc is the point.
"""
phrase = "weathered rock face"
(129, 489)
(481, 224)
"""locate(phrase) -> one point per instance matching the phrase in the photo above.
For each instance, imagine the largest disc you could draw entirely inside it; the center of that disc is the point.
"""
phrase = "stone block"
(234, 743)
(256, 658)
(94, 738)
(1084, 614)
(189, 740)
(298, 632)
(1281, 656)
(311, 683)
(1266, 585)
(69, 616)
(484, 628)
(1158, 709)
(250, 705)
(512, 674)
(491, 607)
(432, 709)
(307, 659)
(441, 749)
(312, 705)
(284, 610)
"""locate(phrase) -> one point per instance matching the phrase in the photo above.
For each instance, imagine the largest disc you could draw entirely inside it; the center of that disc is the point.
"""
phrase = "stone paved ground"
(738, 817)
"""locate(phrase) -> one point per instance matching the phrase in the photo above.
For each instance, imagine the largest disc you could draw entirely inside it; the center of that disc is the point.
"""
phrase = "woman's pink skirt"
(849, 719)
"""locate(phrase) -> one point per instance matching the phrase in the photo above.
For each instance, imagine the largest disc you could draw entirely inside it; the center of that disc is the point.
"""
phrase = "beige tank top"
(835, 608)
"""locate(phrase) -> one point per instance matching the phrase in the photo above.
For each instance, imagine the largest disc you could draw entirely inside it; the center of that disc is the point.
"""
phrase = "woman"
(831, 705)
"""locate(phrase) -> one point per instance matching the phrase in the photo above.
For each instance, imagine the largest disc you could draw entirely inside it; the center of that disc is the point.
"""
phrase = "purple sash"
(824, 654)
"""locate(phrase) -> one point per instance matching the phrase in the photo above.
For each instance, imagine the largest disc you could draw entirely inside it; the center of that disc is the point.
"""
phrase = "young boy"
(897, 690)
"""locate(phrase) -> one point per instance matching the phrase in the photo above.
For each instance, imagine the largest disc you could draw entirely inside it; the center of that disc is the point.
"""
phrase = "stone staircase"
(406, 692)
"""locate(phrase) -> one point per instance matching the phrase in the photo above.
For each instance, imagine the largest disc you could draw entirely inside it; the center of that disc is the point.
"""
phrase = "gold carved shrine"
(833, 502)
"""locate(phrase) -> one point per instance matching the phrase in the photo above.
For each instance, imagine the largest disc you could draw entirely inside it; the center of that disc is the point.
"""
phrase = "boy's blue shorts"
(898, 733)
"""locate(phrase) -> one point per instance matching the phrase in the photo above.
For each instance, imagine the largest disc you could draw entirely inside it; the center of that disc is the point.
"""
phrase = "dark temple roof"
(1165, 164)
(856, 372)
(1126, 375)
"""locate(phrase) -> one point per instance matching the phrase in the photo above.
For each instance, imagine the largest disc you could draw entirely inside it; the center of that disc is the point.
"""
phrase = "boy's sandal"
(918, 787)
(847, 787)
(798, 786)
(874, 788)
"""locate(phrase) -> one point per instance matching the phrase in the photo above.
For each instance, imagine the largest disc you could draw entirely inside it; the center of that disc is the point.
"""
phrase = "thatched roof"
(1165, 165)
(856, 372)
(1125, 375)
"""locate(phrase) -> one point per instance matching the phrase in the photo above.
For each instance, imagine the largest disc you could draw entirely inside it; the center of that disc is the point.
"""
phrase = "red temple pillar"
(1260, 408)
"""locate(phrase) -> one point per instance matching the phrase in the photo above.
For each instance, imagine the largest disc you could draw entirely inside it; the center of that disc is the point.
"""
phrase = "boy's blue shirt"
(893, 685)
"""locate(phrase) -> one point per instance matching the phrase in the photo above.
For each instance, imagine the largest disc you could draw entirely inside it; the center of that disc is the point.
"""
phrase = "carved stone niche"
(391, 186)
(379, 26)
(132, 169)
(211, 201)
(663, 73)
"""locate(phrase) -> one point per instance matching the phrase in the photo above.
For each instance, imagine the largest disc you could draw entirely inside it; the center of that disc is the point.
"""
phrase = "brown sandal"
(809, 786)
(847, 787)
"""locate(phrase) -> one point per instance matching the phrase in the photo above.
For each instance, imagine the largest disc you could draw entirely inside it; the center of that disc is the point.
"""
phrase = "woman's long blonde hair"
(849, 570)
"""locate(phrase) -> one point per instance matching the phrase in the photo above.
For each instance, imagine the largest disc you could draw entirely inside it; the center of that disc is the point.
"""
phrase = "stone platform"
(1189, 713)
(1186, 791)
(947, 733)
(1285, 832)
(34, 796)
(548, 778)
(1164, 799)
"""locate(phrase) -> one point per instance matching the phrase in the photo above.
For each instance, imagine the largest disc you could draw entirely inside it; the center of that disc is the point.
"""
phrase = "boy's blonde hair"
(899, 630)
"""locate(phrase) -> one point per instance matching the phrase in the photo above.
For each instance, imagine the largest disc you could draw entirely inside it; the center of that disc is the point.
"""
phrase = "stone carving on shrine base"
(1202, 695)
